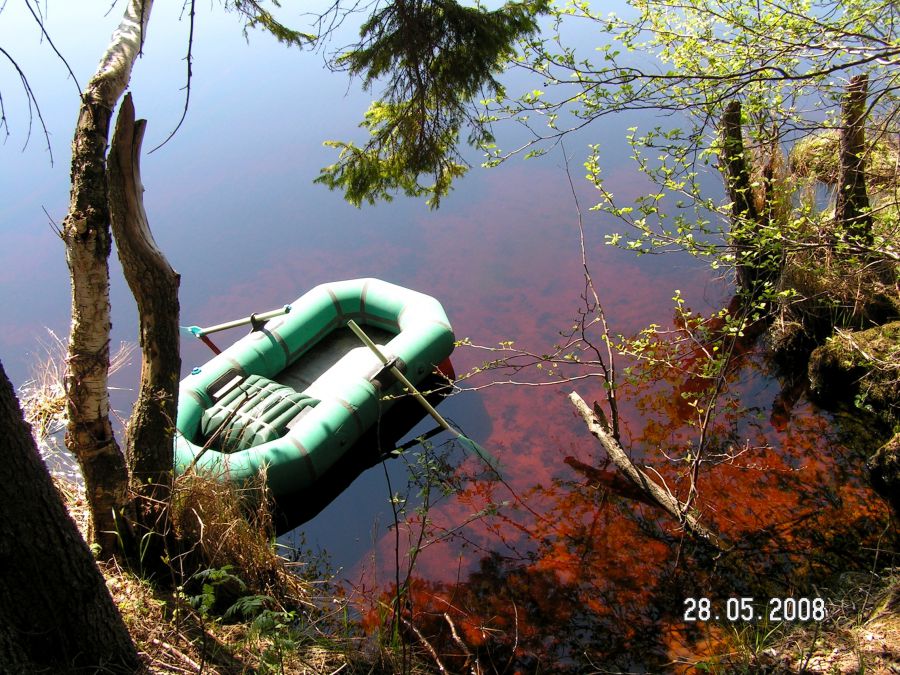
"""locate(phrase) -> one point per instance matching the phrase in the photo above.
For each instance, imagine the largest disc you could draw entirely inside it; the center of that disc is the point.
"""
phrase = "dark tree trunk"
(851, 210)
(737, 173)
(56, 614)
(755, 262)
(12, 659)
(149, 437)
(737, 181)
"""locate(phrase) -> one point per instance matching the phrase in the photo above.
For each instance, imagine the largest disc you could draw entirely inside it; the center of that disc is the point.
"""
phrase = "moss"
(884, 471)
(817, 157)
(789, 344)
(862, 366)
(823, 296)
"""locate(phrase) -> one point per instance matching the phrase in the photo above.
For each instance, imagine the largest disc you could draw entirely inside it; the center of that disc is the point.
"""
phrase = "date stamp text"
(747, 609)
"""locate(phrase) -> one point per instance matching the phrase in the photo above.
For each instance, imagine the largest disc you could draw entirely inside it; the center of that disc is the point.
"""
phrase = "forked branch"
(666, 501)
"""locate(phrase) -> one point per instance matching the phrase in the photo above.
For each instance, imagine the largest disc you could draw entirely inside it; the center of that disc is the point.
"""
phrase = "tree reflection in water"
(574, 571)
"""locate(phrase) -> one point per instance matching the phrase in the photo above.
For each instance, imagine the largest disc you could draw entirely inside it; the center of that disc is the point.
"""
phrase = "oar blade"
(474, 448)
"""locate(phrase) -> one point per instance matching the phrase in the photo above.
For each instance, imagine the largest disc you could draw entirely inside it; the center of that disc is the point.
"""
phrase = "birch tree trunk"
(154, 284)
(86, 232)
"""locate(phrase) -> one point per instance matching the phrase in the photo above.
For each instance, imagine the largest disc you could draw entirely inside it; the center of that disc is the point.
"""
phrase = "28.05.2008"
(743, 609)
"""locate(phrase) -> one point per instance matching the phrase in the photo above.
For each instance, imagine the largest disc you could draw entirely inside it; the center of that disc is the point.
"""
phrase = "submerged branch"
(654, 492)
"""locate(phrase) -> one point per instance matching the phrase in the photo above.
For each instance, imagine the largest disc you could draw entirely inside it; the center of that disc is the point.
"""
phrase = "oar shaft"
(463, 440)
(264, 316)
(209, 343)
(402, 378)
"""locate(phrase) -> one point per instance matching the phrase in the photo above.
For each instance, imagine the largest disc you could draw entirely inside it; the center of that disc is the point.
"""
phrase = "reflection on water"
(574, 571)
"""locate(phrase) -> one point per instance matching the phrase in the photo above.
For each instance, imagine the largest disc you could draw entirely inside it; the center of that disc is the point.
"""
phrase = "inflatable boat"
(295, 394)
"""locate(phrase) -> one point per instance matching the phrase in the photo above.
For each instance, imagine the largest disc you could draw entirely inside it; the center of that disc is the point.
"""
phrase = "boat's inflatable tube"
(345, 409)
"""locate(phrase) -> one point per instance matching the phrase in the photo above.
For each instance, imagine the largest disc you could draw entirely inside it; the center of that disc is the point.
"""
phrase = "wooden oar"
(466, 442)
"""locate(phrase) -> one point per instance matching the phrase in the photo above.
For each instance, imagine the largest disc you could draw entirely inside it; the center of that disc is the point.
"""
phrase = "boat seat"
(254, 411)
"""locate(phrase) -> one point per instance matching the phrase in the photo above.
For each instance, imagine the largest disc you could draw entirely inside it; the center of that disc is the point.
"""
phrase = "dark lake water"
(556, 566)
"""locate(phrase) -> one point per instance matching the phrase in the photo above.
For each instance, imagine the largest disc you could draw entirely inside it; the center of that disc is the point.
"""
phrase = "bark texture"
(737, 173)
(851, 210)
(154, 284)
(12, 659)
(86, 233)
(56, 614)
(745, 216)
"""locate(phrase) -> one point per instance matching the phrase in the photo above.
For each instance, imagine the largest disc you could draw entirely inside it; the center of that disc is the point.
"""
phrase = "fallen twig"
(474, 669)
(425, 643)
(174, 651)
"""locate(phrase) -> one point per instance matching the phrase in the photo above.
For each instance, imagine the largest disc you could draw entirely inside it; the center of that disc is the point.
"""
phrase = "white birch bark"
(114, 71)
(86, 232)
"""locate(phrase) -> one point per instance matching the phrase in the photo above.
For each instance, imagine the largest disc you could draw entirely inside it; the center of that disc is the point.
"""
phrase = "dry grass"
(861, 634)
(837, 292)
(814, 164)
(225, 526)
(831, 284)
(824, 295)
(298, 626)
(172, 637)
(43, 397)
(43, 400)
(816, 157)
(217, 527)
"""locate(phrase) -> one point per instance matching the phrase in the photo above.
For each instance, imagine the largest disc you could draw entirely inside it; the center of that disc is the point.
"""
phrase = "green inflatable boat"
(298, 391)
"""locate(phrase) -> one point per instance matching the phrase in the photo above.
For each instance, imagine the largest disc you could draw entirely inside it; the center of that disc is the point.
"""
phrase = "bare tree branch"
(33, 107)
(187, 86)
(40, 22)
